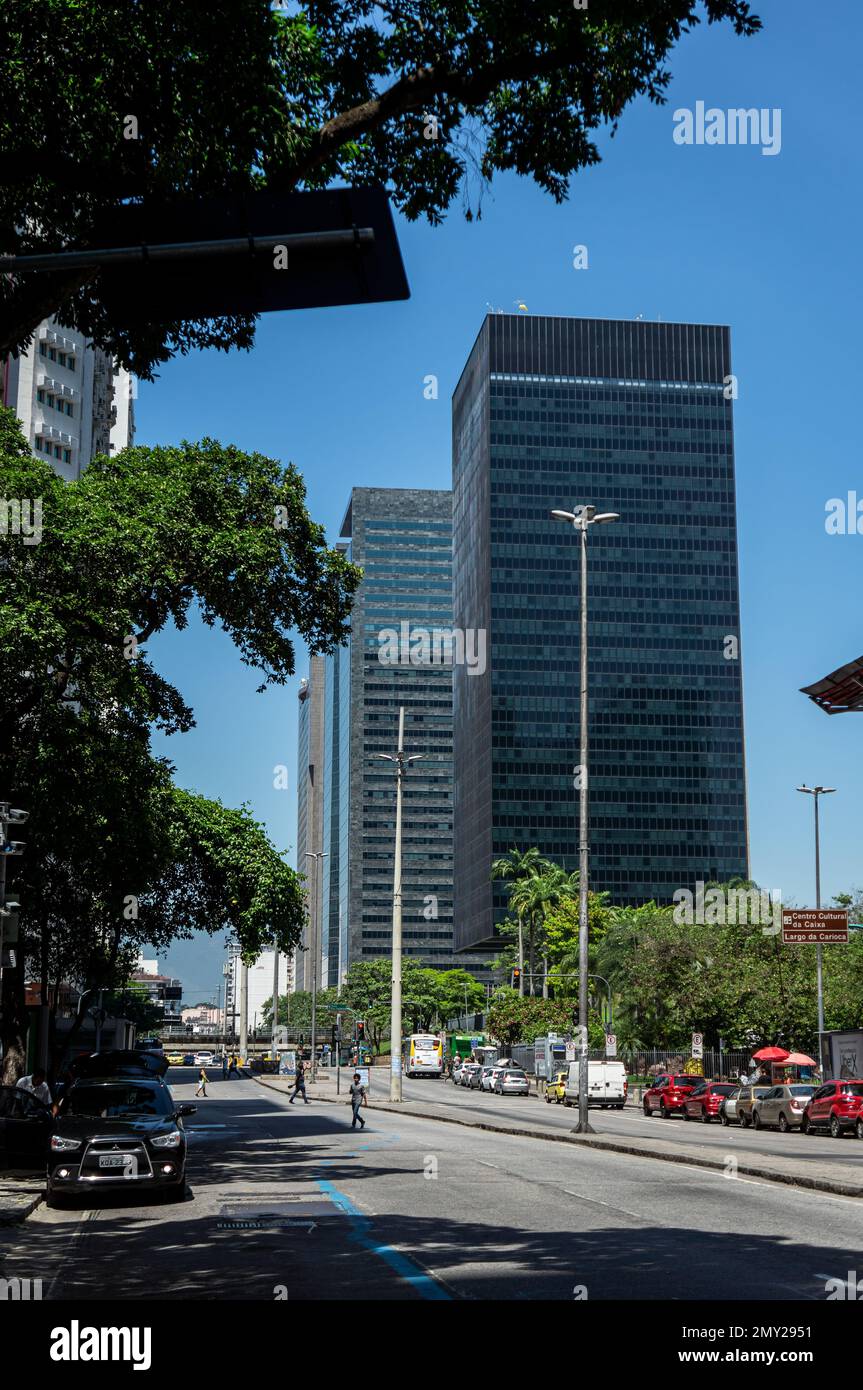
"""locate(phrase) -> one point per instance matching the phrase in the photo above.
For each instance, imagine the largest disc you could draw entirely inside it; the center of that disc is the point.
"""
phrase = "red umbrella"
(771, 1054)
(799, 1059)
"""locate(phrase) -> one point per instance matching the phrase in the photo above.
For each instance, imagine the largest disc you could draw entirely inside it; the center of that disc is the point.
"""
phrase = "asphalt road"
(533, 1112)
(412, 1208)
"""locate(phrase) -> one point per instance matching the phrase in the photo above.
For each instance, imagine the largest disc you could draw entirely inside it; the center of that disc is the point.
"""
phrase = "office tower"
(634, 418)
(399, 653)
(71, 399)
(310, 806)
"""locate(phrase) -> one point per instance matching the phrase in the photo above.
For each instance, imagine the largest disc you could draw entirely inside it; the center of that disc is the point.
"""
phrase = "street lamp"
(401, 766)
(318, 856)
(815, 792)
(581, 519)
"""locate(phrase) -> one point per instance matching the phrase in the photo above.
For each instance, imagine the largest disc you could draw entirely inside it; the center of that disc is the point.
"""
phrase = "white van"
(606, 1085)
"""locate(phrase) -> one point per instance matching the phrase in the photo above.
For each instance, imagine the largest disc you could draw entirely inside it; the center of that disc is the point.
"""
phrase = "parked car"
(467, 1073)
(728, 1107)
(512, 1081)
(554, 1088)
(204, 1059)
(484, 1081)
(782, 1106)
(188, 1059)
(837, 1106)
(488, 1081)
(746, 1099)
(475, 1079)
(119, 1062)
(668, 1094)
(175, 1059)
(607, 1084)
(704, 1102)
(121, 1133)
(25, 1128)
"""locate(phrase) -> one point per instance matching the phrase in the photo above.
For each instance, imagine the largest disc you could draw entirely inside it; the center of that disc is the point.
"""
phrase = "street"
(436, 1211)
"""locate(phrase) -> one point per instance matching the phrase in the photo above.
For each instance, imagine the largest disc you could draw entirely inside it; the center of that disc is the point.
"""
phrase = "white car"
(467, 1073)
(489, 1077)
(204, 1059)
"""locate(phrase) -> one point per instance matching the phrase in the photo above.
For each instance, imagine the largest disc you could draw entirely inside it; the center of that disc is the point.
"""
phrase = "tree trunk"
(531, 958)
(545, 977)
(14, 1019)
(520, 955)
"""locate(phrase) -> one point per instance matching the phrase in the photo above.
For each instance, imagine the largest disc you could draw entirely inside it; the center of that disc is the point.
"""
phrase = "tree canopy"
(110, 101)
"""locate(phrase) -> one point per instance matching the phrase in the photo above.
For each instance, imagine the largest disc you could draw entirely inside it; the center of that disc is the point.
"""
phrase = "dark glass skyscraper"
(635, 418)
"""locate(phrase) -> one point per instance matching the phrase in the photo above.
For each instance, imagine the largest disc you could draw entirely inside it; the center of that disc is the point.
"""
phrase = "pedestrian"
(232, 1067)
(358, 1098)
(202, 1082)
(300, 1083)
(36, 1085)
(224, 1065)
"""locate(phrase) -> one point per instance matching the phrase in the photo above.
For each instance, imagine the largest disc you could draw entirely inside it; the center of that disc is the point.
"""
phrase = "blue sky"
(716, 234)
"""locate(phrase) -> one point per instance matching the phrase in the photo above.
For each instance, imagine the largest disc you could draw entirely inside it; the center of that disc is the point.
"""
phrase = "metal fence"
(648, 1061)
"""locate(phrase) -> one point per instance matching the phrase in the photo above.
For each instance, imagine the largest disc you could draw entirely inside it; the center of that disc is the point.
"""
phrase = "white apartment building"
(260, 989)
(73, 403)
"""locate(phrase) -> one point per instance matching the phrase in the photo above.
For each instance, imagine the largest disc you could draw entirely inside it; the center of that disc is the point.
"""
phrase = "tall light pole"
(318, 856)
(401, 766)
(815, 792)
(581, 519)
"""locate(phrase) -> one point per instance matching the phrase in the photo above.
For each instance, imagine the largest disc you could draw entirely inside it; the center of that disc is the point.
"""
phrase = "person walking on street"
(358, 1098)
(224, 1065)
(300, 1083)
(232, 1068)
(202, 1082)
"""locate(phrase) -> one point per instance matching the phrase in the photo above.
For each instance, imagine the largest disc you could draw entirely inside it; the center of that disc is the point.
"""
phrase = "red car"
(837, 1106)
(704, 1102)
(668, 1094)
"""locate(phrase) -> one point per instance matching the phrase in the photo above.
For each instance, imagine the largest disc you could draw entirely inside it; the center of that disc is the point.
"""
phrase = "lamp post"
(318, 856)
(815, 792)
(581, 519)
(401, 766)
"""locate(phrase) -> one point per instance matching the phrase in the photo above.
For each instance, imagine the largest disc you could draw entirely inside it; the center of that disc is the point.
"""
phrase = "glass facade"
(403, 540)
(635, 418)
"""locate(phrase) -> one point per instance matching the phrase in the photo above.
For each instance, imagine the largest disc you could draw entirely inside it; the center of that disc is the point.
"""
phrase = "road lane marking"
(425, 1284)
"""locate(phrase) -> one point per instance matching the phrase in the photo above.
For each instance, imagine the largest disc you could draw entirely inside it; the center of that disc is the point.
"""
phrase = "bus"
(422, 1054)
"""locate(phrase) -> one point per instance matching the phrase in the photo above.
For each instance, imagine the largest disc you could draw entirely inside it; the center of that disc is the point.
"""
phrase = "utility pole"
(275, 999)
(401, 765)
(244, 1010)
(581, 519)
(815, 792)
(318, 857)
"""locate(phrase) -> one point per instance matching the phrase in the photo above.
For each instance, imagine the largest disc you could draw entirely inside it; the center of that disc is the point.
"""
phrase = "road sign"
(570, 1051)
(819, 926)
(611, 1044)
(697, 1045)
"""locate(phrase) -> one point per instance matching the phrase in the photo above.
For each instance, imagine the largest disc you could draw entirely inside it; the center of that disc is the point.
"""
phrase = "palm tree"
(518, 867)
(550, 889)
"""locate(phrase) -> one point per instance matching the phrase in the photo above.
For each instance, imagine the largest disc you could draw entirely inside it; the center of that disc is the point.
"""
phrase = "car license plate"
(114, 1160)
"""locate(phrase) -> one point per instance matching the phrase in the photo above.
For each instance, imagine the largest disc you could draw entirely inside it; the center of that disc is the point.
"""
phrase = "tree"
(134, 544)
(517, 868)
(105, 101)
(512, 1019)
(117, 856)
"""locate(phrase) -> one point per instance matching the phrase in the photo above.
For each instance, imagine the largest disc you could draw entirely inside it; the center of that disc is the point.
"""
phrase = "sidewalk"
(19, 1196)
(843, 1179)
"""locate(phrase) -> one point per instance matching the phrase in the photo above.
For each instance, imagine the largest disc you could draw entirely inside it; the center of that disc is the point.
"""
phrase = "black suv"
(118, 1133)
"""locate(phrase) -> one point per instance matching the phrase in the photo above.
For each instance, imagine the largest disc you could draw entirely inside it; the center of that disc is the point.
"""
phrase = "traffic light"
(361, 1030)
(516, 976)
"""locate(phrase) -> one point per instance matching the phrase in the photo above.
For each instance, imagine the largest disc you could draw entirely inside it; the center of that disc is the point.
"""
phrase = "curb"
(750, 1170)
(14, 1218)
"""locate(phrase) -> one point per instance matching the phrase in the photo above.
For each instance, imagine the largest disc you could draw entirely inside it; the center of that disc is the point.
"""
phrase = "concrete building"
(310, 807)
(260, 988)
(73, 403)
(400, 652)
(635, 418)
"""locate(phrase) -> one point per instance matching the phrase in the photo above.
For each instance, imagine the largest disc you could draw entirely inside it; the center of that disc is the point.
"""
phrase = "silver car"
(781, 1106)
(728, 1108)
(512, 1082)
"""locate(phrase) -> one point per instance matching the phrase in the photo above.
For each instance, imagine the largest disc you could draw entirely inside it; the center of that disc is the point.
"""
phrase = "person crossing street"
(358, 1098)
(202, 1082)
(300, 1083)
